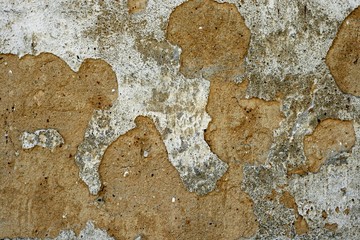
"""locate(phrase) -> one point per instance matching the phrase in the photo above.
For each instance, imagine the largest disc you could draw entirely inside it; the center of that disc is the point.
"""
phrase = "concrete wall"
(151, 119)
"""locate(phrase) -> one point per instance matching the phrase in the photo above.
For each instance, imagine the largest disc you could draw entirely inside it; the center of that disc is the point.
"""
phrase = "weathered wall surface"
(149, 119)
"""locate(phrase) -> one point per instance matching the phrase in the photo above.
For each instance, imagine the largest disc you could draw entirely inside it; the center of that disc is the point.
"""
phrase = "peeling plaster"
(285, 62)
(66, 34)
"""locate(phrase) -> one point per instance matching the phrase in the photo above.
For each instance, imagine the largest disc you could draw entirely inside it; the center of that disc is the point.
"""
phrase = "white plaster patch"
(46, 138)
(90, 232)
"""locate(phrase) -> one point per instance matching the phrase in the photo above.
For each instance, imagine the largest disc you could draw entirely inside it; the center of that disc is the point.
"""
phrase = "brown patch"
(302, 170)
(301, 226)
(337, 209)
(39, 189)
(289, 201)
(347, 211)
(213, 37)
(331, 226)
(136, 6)
(241, 129)
(324, 214)
(145, 195)
(329, 138)
(343, 57)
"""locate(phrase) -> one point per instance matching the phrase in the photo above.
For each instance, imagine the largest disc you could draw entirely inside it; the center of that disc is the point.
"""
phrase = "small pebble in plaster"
(136, 6)
(146, 154)
(173, 199)
(46, 138)
(324, 214)
(126, 173)
(343, 56)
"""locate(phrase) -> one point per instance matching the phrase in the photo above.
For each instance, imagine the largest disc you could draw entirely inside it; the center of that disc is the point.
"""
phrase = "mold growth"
(343, 57)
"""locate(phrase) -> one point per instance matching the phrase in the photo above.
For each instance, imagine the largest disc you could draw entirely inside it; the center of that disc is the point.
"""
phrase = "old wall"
(200, 119)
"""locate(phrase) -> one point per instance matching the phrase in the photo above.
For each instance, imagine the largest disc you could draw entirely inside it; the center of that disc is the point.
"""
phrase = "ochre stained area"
(41, 192)
(343, 57)
(213, 37)
(39, 189)
(143, 194)
(241, 129)
(329, 138)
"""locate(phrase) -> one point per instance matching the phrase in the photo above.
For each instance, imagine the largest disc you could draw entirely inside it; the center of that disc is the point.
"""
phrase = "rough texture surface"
(208, 133)
(144, 195)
